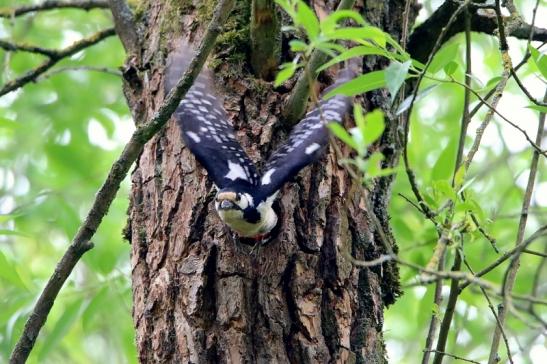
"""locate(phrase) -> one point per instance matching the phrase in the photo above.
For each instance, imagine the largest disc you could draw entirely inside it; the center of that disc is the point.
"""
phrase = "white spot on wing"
(193, 136)
(235, 172)
(267, 177)
(312, 148)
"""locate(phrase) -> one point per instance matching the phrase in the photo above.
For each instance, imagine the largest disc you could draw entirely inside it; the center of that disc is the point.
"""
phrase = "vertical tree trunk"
(202, 296)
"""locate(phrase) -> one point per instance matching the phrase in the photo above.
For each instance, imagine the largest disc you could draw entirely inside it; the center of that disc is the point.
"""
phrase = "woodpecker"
(244, 196)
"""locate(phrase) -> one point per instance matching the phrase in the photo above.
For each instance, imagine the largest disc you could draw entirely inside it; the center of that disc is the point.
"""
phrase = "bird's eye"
(238, 198)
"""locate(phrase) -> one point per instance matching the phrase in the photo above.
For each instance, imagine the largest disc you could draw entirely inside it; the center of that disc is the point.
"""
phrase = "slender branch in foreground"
(508, 254)
(454, 284)
(14, 47)
(125, 27)
(421, 39)
(493, 310)
(453, 356)
(298, 99)
(409, 172)
(106, 194)
(511, 273)
(52, 5)
(33, 74)
(107, 70)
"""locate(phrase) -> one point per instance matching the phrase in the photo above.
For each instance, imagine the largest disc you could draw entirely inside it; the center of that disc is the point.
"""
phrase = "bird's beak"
(227, 205)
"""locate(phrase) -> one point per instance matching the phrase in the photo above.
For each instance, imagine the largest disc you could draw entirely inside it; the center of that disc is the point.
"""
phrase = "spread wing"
(205, 127)
(306, 141)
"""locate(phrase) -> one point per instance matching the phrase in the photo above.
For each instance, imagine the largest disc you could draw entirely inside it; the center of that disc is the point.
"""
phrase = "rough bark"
(199, 294)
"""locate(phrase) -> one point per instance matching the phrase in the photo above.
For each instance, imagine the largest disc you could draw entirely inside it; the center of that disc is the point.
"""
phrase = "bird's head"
(230, 201)
(239, 212)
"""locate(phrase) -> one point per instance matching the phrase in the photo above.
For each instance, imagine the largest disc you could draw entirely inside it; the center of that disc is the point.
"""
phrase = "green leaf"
(8, 272)
(306, 17)
(9, 124)
(443, 168)
(298, 45)
(375, 126)
(364, 83)
(443, 190)
(288, 7)
(286, 72)
(359, 118)
(342, 134)
(331, 21)
(539, 108)
(459, 177)
(396, 74)
(446, 54)
(540, 60)
(358, 51)
(359, 34)
(451, 67)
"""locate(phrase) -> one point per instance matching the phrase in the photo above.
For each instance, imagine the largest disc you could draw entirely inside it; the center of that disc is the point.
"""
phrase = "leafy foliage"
(58, 138)
(471, 206)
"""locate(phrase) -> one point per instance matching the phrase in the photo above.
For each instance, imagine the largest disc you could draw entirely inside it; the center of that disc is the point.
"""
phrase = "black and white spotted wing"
(306, 142)
(207, 131)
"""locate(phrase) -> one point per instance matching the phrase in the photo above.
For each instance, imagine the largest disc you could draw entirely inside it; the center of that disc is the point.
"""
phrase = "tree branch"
(15, 47)
(125, 27)
(55, 57)
(81, 242)
(52, 5)
(511, 272)
(422, 38)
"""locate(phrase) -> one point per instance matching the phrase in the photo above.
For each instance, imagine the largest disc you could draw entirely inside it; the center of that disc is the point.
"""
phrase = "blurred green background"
(58, 138)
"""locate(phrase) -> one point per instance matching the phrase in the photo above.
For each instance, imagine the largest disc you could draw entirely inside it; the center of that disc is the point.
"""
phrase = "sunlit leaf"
(446, 54)
(396, 74)
(342, 134)
(364, 83)
(540, 61)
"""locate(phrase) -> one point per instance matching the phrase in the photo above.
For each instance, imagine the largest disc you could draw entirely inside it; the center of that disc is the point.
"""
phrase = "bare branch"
(33, 74)
(421, 40)
(453, 356)
(511, 273)
(52, 5)
(110, 71)
(14, 47)
(125, 27)
(106, 194)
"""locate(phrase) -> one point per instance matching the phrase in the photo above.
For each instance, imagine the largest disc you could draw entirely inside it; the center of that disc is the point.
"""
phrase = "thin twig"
(14, 47)
(542, 231)
(454, 356)
(454, 284)
(33, 74)
(52, 5)
(106, 194)
(496, 317)
(511, 273)
(107, 70)
(409, 172)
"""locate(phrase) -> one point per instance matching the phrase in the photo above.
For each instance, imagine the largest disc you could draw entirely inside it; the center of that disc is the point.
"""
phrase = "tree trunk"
(199, 294)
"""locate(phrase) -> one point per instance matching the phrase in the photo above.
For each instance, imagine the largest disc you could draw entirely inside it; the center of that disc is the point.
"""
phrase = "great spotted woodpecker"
(244, 197)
